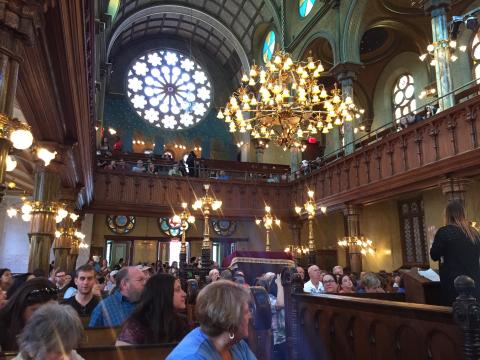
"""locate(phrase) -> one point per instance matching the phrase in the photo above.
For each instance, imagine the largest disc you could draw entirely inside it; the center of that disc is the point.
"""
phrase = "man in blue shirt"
(116, 308)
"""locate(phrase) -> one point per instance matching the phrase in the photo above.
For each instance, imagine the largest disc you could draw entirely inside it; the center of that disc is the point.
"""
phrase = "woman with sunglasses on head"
(14, 315)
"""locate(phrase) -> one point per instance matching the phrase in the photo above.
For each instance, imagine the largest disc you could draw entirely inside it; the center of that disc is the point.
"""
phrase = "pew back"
(94, 337)
(356, 328)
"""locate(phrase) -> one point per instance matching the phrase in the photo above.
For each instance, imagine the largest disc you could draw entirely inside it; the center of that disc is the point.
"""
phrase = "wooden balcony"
(154, 195)
(415, 158)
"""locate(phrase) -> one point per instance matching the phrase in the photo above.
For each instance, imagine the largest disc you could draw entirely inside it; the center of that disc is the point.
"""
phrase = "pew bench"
(96, 337)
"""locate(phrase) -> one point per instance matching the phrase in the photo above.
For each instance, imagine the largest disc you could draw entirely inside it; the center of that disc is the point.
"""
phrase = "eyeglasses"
(40, 295)
(328, 281)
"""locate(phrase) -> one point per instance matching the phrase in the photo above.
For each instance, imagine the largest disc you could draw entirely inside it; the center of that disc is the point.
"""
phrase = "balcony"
(413, 159)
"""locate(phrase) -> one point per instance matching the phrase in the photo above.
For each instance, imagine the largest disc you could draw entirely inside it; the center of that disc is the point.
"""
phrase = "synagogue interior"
(302, 177)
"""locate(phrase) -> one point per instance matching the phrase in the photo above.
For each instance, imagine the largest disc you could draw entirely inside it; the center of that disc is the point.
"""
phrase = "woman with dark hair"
(457, 247)
(156, 318)
(346, 285)
(20, 307)
(6, 279)
(18, 280)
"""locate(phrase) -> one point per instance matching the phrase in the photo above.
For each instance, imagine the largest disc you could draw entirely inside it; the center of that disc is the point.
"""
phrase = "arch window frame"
(397, 104)
(475, 61)
(266, 57)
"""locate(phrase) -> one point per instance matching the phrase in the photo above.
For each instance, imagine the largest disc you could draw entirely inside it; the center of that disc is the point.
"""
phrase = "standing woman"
(457, 247)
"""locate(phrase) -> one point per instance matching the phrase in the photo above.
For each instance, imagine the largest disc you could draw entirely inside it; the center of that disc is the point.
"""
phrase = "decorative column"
(260, 146)
(43, 225)
(438, 10)
(465, 313)
(346, 74)
(63, 244)
(295, 159)
(352, 221)
(296, 233)
(454, 189)
(19, 20)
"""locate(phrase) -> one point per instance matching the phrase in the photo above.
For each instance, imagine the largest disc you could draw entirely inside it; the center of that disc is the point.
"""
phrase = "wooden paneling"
(152, 195)
(410, 160)
(375, 329)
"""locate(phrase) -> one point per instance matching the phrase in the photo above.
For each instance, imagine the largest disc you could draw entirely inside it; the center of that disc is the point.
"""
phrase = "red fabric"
(257, 255)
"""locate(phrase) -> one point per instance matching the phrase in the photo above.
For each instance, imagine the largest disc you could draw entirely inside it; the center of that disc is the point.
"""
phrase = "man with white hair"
(213, 275)
(314, 285)
(116, 308)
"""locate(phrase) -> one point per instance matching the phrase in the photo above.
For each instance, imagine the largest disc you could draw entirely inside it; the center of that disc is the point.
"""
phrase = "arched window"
(305, 6)
(168, 89)
(476, 56)
(268, 46)
(403, 96)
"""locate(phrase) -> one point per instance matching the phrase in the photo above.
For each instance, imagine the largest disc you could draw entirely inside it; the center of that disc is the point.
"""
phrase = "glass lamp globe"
(21, 139)
(11, 163)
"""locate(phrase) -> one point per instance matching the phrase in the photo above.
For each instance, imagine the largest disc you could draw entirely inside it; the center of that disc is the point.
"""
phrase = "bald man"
(314, 286)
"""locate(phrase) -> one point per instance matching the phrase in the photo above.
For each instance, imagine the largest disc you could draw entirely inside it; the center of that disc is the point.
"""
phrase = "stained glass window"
(476, 56)
(268, 46)
(168, 89)
(305, 6)
(403, 96)
(120, 224)
(171, 227)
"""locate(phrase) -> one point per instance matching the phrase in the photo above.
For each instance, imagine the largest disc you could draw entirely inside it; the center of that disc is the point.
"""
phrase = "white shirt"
(311, 289)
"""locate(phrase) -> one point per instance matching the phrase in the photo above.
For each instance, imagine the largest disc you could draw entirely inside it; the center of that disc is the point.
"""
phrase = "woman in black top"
(457, 247)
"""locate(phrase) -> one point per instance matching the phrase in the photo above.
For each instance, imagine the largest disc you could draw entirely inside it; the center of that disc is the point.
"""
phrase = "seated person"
(139, 167)
(13, 316)
(84, 301)
(111, 166)
(213, 275)
(372, 283)
(346, 285)
(150, 167)
(277, 305)
(222, 175)
(330, 284)
(156, 319)
(314, 285)
(223, 313)
(398, 284)
(40, 338)
(174, 171)
(117, 307)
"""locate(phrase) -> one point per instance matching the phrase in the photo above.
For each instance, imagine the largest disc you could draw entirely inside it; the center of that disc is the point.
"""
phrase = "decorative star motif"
(140, 68)
(171, 58)
(169, 122)
(203, 93)
(151, 115)
(186, 119)
(135, 84)
(154, 59)
(139, 101)
(199, 77)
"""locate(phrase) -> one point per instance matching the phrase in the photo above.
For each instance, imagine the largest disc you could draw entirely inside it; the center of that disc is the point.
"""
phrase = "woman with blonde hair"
(457, 247)
(222, 309)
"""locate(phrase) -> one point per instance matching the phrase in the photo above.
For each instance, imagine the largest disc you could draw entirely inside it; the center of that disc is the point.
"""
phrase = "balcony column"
(43, 225)
(62, 245)
(346, 74)
(438, 10)
(454, 189)
(351, 215)
(260, 146)
(19, 20)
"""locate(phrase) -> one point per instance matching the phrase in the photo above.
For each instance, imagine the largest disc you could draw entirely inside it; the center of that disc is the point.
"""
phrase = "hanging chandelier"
(285, 103)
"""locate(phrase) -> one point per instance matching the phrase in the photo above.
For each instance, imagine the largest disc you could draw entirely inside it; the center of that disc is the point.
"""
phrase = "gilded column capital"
(432, 5)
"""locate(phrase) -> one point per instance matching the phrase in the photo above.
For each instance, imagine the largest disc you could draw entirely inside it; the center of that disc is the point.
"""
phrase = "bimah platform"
(419, 289)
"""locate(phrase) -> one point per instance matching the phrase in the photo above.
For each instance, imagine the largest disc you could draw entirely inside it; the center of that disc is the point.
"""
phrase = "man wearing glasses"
(116, 308)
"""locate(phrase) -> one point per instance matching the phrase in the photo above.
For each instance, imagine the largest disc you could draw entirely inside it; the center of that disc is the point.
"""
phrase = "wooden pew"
(379, 296)
(138, 352)
(349, 327)
(104, 336)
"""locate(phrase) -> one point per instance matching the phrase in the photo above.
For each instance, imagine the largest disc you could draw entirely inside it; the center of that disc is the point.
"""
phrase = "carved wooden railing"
(412, 159)
(153, 195)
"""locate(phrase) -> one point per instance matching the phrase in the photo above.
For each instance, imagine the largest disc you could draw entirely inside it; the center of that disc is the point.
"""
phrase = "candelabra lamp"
(206, 204)
(355, 243)
(310, 207)
(184, 218)
(297, 251)
(268, 222)
(68, 240)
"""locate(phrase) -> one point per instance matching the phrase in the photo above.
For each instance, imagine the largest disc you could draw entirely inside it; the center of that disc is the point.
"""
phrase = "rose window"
(168, 89)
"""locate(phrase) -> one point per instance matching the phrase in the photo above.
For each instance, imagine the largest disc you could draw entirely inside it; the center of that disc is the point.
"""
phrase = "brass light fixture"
(184, 219)
(310, 208)
(449, 45)
(284, 103)
(205, 204)
(268, 222)
(363, 244)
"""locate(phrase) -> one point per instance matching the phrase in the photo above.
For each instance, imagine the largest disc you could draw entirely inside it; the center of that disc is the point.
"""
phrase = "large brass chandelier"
(285, 103)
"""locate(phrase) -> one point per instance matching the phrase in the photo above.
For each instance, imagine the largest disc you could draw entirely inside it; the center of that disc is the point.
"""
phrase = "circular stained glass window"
(168, 89)
(121, 224)
(224, 227)
(268, 46)
(171, 227)
(305, 6)
(403, 96)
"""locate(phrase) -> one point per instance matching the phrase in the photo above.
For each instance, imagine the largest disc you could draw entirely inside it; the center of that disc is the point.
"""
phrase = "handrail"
(380, 132)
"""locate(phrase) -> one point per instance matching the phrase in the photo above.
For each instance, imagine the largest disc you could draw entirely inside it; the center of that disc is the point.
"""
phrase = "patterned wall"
(211, 134)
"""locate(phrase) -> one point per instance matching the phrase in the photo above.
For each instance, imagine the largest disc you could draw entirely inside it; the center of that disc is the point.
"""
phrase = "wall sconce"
(112, 131)
(46, 155)
(428, 91)
(450, 45)
(11, 163)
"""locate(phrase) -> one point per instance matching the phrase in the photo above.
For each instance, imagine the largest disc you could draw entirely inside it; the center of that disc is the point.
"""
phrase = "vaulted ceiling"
(223, 28)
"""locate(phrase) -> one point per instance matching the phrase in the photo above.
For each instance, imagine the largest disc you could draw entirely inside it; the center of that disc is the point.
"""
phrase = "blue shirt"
(197, 346)
(112, 311)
